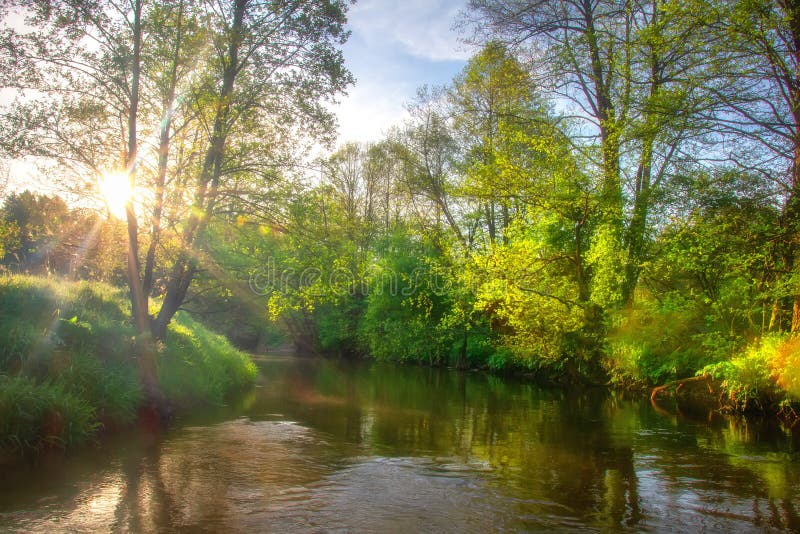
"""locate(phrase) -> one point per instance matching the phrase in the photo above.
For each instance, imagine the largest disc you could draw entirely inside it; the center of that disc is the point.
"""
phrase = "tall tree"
(272, 61)
(246, 77)
(752, 74)
(622, 73)
(493, 97)
(428, 150)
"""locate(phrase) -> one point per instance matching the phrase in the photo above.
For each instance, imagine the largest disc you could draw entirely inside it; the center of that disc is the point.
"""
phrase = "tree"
(233, 90)
(36, 225)
(491, 95)
(41, 234)
(427, 149)
(752, 75)
(244, 79)
(273, 65)
(625, 73)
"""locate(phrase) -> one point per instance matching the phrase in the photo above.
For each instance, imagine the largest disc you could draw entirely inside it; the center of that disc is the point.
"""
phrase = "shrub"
(786, 367)
(658, 341)
(752, 379)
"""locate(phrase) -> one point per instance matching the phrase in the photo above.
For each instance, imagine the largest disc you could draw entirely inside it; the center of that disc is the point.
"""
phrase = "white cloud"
(423, 28)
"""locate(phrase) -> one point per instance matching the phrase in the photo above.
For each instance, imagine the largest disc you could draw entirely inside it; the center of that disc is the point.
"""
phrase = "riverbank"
(760, 379)
(68, 371)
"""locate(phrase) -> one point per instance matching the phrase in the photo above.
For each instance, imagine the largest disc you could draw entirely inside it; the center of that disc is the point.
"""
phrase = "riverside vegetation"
(66, 366)
(608, 193)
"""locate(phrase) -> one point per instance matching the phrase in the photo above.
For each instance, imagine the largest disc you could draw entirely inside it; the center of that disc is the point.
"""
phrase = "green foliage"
(785, 366)
(654, 342)
(528, 291)
(708, 290)
(336, 325)
(41, 234)
(499, 112)
(765, 374)
(607, 259)
(223, 297)
(39, 317)
(9, 237)
(747, 379)
(403, 320)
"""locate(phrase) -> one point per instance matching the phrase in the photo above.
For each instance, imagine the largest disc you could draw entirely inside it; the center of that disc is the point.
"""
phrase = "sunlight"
(116, 190)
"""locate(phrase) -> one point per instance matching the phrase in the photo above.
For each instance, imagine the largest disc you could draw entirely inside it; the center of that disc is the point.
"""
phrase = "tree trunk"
(138, 299)
(163, 160)
(584, 291)
(205, 197)
(638, 224)
(462, 361)
(792, 211)
(791, 228)
(489, 209)
(179, 281)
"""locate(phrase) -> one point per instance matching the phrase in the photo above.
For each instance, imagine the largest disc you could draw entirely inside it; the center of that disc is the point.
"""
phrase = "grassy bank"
(67, 369)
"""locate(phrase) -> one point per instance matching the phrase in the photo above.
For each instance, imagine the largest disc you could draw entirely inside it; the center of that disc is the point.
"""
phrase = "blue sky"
(395, 48)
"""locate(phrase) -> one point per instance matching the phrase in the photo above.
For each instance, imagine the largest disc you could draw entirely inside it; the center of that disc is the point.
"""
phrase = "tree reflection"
(326, 445)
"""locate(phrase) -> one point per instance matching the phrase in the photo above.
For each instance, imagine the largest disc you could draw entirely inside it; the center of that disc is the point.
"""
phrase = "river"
(322, 446)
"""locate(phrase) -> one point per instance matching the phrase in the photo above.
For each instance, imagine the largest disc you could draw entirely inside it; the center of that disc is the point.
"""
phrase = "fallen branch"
(678, 384)
(789, 415)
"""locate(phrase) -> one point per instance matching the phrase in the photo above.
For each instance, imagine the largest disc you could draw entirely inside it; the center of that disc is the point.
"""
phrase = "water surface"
(321, 446)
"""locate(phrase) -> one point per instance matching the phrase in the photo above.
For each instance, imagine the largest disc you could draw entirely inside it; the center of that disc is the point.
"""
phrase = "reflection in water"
(324, 446)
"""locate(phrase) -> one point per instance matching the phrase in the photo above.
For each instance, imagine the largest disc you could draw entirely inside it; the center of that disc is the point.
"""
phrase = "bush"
(658, 341)
(764, 374)
(786, 367)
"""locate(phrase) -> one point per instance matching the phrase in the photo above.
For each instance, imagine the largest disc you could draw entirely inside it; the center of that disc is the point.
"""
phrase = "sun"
(116, 190)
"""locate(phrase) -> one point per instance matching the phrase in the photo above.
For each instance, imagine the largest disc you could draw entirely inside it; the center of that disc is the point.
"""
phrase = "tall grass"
(34, 416)
(67, 366)
(197, 365)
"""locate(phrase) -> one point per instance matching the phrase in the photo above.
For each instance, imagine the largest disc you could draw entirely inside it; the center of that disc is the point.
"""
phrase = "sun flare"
(116, 190)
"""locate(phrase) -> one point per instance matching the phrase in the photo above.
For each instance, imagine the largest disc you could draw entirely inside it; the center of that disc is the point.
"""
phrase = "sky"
(395, 48)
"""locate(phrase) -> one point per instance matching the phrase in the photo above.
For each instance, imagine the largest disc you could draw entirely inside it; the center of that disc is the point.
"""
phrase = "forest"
(607, 194)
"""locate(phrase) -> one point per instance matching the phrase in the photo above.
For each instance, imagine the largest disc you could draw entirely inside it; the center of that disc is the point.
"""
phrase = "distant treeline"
(41, 234)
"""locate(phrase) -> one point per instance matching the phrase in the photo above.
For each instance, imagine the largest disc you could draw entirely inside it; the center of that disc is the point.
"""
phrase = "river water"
(320, 446)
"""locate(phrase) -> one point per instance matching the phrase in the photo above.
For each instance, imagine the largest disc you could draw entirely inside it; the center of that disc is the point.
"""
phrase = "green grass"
(67, 368)
(34, 416)
(197, 365)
